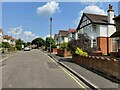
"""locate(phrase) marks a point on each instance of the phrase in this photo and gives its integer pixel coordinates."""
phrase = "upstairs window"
(94, 28)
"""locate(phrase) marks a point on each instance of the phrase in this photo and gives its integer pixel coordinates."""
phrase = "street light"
(50, 33)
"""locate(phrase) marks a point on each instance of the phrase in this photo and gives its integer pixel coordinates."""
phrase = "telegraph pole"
(50, 33)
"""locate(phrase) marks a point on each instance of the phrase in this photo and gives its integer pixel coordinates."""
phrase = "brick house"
(63, 36)
(99, 28)
(116, 36)
(71, 34)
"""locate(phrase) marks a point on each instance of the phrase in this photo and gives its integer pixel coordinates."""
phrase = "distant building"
(99, 28)
(71, 34)
(1, 37)
(9, 39)
(56, 36)
(63, 36)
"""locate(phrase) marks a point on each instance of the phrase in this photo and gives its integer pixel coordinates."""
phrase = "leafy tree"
(19, 47)
(28, 43)
(48, 40)
(63, 46)
(5, 45)
(19, 44)
(39, 42)
(83, 42)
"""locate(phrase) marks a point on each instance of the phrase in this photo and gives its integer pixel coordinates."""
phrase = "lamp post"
(50, 33)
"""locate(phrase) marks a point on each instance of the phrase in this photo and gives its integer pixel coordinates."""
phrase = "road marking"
(73, 78)
(77, 81)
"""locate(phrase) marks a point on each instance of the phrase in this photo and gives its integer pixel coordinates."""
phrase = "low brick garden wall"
(63, 53)
(54, 50)
(108, 66)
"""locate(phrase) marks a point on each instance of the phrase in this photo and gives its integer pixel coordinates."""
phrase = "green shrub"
(80, 52)
(18, 47)
(63, 46)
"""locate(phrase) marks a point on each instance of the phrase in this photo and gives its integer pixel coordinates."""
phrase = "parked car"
(27, 49)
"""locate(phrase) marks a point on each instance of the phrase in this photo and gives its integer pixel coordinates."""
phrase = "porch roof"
(116, 34)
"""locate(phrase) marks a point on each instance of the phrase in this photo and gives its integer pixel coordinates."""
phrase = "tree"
(83, 42)
(63, 46)
(39, 42)
(5, 45)
(47, 42)
(19, 44)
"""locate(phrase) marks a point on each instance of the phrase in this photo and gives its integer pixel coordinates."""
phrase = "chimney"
(110, 14)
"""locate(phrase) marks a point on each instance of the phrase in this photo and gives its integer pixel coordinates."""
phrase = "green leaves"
(80, 52)
(63, 46)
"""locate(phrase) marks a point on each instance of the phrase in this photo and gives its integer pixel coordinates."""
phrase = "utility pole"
(50, 33)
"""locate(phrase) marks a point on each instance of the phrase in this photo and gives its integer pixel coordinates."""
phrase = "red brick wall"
(102, 44)
(54, 50)
(63, 53)
(108, 66)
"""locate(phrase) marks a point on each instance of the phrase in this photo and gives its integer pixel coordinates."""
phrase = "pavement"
(34, 69)
(90, 78)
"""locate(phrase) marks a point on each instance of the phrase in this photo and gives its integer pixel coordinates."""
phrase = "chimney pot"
(110, 8)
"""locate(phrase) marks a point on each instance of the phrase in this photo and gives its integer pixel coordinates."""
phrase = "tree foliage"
(48, 40)
(39, 42)
(19, 44)
(83, 42)
(5, 45)
(63, 46)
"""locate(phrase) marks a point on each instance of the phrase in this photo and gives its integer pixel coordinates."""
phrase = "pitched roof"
(63, 33)
(9, 37)
(116, 34)
(118, 17)
(95, 18)
(71, 30)
(56, 36)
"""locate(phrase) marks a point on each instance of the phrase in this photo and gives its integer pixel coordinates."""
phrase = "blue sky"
(31, 19)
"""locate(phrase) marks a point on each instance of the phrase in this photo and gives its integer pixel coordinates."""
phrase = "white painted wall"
(103, 31)
(65, 39)
(111, 30)
(110, 17)
(69, 36)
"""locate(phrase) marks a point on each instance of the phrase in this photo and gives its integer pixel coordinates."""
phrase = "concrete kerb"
(88, 83)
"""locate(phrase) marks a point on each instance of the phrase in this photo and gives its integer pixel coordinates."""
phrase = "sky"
(29, 20)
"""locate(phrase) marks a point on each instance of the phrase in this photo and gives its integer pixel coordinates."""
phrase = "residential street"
(33, 69)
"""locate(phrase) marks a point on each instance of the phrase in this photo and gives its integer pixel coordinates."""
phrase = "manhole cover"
(52, 65)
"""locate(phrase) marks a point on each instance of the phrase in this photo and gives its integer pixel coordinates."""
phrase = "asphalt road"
(34, 69)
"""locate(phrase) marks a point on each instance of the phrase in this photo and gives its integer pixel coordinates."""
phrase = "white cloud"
(18, 33)
(90, 9)
(48, 9)
(28, 36)
(47, 36)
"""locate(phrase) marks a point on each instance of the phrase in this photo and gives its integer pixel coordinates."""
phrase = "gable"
(84, 21)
